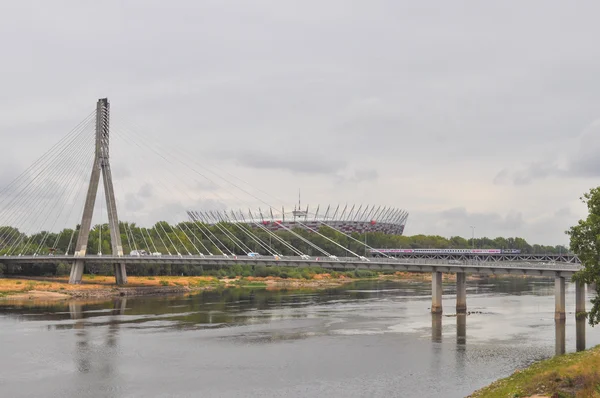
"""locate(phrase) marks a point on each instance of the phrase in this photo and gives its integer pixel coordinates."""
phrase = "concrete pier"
(461, 293)
(120, 273)
(436, 292)
(559, 330)
(579, 298)
(559, 297)
(76, 272)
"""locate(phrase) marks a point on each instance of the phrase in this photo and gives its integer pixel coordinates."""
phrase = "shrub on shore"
(571, 375)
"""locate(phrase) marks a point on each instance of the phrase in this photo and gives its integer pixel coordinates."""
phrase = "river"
(366, 339)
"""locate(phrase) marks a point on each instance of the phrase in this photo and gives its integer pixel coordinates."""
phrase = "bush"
(63, 269)
(363, 273)
(263, 272)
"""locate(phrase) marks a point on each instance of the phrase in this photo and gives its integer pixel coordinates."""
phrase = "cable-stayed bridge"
(61, 190)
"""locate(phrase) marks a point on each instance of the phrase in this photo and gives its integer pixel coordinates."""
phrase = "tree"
(585, 242)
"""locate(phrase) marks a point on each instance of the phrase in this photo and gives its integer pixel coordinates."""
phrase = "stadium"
(347, 219)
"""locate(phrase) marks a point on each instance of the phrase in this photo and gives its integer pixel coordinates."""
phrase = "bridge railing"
(289, 260)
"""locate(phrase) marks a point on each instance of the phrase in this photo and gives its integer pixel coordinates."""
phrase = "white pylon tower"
(101, 166)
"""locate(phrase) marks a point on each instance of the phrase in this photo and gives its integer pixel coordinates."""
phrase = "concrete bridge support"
(579, 298)
(76, 272)
(436, 292)
(461, 293)
(559, 297)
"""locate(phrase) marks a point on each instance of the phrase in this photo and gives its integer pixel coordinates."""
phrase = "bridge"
(484, 257)
(48, 193)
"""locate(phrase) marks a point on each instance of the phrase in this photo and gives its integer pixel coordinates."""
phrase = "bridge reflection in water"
(559, 332)
(86, 353)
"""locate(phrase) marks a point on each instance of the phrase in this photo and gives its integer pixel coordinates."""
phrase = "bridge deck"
(376, 264)
(487, 257)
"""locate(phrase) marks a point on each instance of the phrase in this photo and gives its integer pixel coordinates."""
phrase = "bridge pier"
(76, 272)
(579, 298)
(461, 293)
(559, 298)
(436, 292)
(120, 273)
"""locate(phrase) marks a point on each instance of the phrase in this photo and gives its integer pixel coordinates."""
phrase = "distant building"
(346, 218)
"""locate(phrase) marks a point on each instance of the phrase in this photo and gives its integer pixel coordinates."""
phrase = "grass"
(95, 282)
(571, 375)
(295, 278)
(246, 283)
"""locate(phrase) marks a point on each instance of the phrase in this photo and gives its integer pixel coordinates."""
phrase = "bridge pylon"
(101, 166)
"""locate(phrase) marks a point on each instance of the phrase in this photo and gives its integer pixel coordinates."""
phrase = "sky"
(464, 113)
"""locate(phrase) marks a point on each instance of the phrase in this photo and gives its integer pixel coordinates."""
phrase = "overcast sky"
(463, 113)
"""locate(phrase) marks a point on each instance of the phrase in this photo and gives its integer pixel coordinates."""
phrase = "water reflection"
(119, 306)
(580, 325)
(268, 343)
(436, 328)
(559, 332)
(86, 353)
(461, 329)
(560, 335)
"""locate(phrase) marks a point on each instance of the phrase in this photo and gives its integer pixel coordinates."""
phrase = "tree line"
(194, 238)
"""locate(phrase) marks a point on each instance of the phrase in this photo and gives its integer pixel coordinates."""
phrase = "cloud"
(207, 185)
(460, 105)
(564, 212)
(494, 221)
(146, 191)
(310, 162)
(357, 176)
(547, 228)
(133, 203)
(534, 171)
(578, 158)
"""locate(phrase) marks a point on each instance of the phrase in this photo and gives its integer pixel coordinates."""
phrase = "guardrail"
(297, 260)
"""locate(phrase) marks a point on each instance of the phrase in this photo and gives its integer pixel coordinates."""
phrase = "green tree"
(585, 242)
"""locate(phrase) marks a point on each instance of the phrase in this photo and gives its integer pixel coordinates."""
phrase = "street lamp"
(472, 237)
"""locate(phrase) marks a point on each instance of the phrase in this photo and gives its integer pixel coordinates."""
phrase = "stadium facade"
(348, 218)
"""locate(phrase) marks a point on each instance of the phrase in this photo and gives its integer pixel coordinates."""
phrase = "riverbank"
(571, 375)
(58, 288)
(96, 286)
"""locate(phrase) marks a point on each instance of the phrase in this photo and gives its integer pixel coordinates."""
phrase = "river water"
(368, 339)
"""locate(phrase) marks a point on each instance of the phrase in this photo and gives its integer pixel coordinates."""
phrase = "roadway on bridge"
(399, 264)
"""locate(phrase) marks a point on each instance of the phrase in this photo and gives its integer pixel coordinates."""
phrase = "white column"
(436, 292)
(461, 293)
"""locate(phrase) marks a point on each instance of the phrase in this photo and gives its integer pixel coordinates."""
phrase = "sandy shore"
(58, 288)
